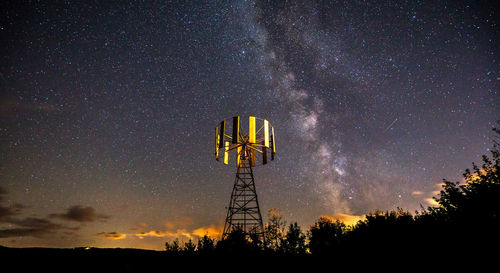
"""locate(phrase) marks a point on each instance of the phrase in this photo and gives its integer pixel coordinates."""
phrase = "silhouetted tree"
(257, 241)
(173, 248)
(382, 232)
(189, 248)
(206, 246)
(274, 229)
(324, 235)
(478, 197)
(294, 242)
(235, 242)
(468, 213)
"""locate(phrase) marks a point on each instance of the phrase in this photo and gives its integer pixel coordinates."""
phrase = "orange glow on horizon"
(347, 219)
(112, 235)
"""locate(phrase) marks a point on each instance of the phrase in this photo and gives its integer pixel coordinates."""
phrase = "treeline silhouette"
(466, 221)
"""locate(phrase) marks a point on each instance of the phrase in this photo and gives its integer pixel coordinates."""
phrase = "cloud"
(112, 235)
(428, 195)
(151, 233)
(40, 227)
(180, 231)
(22, 232)
(80, 214)
(18, 226)
(173, 234)
(33, 226)
(432, 202)
(3, 191)
(139, 227)
(7, 212)
(345, 218)
(179, 223)
(30, 226)
(211, 231)
(173, 229)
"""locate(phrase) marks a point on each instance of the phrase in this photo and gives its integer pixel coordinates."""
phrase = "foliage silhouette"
(274, 230)
(237, 242)
(206, 246)
(294, 242)
(324, 235)
(468, 214)
(173, 248)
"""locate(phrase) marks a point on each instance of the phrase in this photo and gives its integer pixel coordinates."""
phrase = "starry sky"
(108, 110)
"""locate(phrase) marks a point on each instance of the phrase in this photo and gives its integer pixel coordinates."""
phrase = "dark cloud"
(40, 227)
(3, 191)
(21, 232)
(7, 212)
(32, 226)
(112, 235)
(80, 214)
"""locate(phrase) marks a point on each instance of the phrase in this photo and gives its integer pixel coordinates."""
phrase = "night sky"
(108, 111)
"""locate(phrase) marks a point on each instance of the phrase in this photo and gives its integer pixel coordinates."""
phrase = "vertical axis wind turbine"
(243, 212)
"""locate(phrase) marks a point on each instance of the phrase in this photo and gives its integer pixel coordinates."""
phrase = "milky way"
(107, 111)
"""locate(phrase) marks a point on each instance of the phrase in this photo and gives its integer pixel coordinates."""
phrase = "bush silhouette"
(325, 235)
(235, 242)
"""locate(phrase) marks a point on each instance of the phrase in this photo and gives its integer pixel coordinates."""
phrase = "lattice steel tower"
(243, 212)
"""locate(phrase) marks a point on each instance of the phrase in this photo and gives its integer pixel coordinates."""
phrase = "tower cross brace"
(243, 212)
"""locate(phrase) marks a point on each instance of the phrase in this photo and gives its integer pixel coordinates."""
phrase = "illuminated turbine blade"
(238, 157)
(226, 153)
(273, 152)
(217, 143)
(236, 129)
(264, 155)
(266, 133)
(252, 157)
(221, 133)
(251, 129)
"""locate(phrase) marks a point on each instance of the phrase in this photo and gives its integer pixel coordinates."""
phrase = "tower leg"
(243, 212)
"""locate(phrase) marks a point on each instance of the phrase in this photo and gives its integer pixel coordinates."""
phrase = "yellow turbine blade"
(217, 143)
(226, 153)
(273, 140)
(238, 157)
(252, 157)
(251, 129)
(266, 133)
